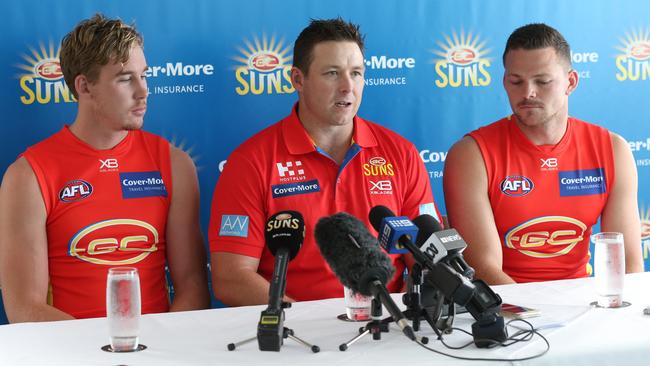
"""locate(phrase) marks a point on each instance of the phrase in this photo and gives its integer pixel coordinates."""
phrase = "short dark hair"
(536, 36)
(323, 30)
(94, 43)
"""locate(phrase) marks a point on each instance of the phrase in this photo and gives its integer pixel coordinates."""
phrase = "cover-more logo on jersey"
(75, 190)
(547, 236)
(114, 242)
(516, 185)
(378, 166)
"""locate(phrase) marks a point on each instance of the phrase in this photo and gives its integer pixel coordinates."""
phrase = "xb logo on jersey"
(549, 164)
(108, 165)
(114, 242)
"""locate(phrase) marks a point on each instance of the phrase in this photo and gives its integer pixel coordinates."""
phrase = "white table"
(597, 337)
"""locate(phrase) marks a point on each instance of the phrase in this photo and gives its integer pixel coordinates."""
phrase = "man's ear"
(82, 85)
(297, 78)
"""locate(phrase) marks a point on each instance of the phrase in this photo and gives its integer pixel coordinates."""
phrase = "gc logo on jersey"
(533, 238)
(75, 190)
(516, 185)
(378, 166)
(133, 240)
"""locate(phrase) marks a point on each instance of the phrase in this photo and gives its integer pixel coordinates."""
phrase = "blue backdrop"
(219, 70)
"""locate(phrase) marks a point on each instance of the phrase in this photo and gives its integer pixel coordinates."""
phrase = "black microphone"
(284, 234)
(358, 262)
(447, 279)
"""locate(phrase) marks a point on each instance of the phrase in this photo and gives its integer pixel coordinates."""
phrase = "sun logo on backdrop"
(41, 78)
(264, 66)
(633, 61)
(462, 61)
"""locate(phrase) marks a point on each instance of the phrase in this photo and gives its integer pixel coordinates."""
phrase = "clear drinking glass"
(123, 308)
(357, 306)
(609, 267)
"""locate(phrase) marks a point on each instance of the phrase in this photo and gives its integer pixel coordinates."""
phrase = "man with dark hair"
(319, 160)
(100, 193)
(525, 191)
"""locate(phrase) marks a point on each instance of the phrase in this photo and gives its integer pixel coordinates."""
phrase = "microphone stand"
(375, 327)
(413, 301)
(274, 327)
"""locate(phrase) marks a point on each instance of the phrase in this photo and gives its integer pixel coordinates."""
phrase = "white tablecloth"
(595, 337)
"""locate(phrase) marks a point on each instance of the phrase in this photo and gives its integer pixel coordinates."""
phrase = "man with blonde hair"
(100, 193)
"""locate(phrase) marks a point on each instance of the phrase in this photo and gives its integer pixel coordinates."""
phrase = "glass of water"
(123, 308)
(609, 266)
(357, 306)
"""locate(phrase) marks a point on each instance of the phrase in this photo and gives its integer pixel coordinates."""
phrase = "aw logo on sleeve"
(234, 225)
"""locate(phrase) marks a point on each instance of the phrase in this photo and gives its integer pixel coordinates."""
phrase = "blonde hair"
(94, 43)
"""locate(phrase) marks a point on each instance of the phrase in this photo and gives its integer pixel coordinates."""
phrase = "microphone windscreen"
(427, 225)
(285, 229)
(377, 214)
(352, 252)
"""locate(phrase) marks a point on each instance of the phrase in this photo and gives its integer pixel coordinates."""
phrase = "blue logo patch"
(517, 185)
(142, 184)
(582, 182)
(429, 209)
(234, 225)
(290, 189)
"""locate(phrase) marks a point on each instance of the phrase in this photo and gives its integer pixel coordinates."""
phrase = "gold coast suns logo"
(114, 242)
(633, 63)
(534, 238)
(265, 67)
(463, 61)
(42, 80)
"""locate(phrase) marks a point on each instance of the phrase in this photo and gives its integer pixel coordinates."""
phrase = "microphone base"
(286, 333)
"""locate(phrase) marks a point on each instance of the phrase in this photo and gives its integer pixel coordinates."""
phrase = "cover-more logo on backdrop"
(382, 70)
(633, 63)
(176, 70)
(638, 148)
(463, 61)
(264, 67)
(41, 80)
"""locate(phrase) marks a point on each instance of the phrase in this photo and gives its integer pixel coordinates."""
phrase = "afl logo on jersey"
(75, 190)
(114, 242)
(516, 185)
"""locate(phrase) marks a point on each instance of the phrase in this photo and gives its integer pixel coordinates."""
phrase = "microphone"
(447, 279)
(445, 263)
(442, 245)
(392, 229)
(284, 233)
(355, 258)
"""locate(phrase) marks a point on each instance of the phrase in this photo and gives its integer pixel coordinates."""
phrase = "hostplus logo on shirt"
(290, 171)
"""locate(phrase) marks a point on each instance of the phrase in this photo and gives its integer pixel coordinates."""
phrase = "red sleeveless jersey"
(105, 208)
(545, 199)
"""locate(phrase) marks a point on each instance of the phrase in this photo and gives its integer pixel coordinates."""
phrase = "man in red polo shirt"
(319, 160)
